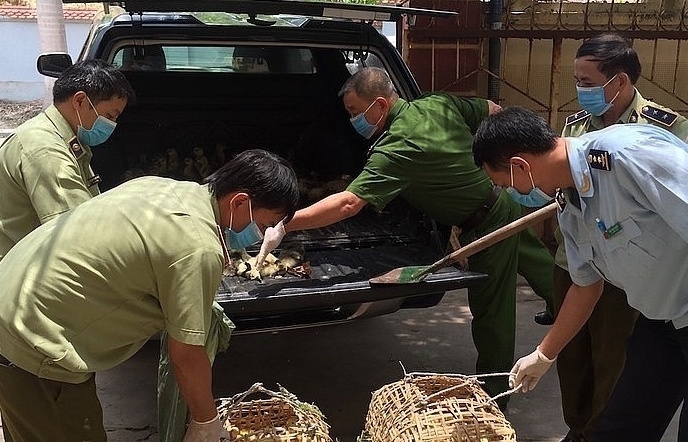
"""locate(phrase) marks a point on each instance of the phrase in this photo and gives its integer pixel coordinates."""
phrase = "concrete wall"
(19, 79)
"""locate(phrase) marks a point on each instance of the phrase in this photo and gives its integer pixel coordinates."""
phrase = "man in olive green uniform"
(83, 292)
(606, 70)
(45, 164)
(423, 154)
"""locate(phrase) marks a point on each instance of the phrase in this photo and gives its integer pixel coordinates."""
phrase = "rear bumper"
(325, 294)
(338, 289)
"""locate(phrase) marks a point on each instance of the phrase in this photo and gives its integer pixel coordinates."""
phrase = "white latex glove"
(211, 431)
(271, 239)
(529, 369)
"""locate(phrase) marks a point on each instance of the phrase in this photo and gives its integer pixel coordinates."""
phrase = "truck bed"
(342, 258)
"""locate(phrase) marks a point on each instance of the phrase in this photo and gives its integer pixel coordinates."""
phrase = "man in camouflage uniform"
(606, 69)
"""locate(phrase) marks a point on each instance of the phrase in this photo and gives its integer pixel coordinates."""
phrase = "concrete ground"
(337, 368)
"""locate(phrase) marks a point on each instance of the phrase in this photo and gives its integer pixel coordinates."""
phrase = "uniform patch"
(658, 115)
(580, 115)
(586, 182)
(600, 159)
(75, 148)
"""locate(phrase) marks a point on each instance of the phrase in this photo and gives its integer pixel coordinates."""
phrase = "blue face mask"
(247, 237)
(592, 99)
(98, 133)
(534, 198)
(362, 126)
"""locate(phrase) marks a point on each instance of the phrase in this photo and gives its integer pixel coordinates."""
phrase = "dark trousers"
(40, 410)
(590, 365)
(651, 388)
(493, 303)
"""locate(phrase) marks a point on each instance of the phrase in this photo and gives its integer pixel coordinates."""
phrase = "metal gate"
(521, 52)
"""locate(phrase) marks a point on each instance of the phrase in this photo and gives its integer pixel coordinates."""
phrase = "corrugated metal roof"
(29, 13)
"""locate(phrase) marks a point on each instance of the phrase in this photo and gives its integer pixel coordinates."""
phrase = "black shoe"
(543, 318)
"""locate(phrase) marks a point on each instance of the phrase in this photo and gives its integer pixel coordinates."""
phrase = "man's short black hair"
(614, 54)
(267, 178)
(508, 133)
(99, 80)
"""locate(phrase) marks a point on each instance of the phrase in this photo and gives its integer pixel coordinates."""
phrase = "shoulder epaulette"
(600, 159)
(580, 115)
(661, 116)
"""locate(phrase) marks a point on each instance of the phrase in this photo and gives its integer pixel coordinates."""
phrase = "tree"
(52, 35)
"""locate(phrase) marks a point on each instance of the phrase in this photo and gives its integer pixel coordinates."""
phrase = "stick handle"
(492, 238)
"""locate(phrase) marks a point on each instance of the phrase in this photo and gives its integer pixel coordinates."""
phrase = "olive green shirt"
(83, 292)
(44, 172)
(639, 111)
(425, 155)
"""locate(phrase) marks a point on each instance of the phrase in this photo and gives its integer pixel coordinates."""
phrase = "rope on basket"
(475, 377)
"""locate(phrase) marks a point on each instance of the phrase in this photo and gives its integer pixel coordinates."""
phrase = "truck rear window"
(193, 58)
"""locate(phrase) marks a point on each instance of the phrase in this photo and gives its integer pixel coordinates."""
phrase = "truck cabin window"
(194, 58)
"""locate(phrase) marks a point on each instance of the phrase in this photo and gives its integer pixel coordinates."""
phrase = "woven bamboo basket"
(279, 418)
(432, 407)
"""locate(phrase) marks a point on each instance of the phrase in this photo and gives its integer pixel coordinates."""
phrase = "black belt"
(475, 219)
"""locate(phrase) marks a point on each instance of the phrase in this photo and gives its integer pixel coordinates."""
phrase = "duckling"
(244, 265)
(130, 174)
(316, 194)
(203, 166)
(190, 172)
(159, 166)
(292, 255)
(239, 262)
(270, 267)
(338, 185)
(219, 156)
(173, 167)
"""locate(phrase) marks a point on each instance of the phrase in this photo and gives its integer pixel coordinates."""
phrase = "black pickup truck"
(214, 78)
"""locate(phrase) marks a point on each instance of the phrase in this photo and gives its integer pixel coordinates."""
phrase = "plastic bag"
(172, 409)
